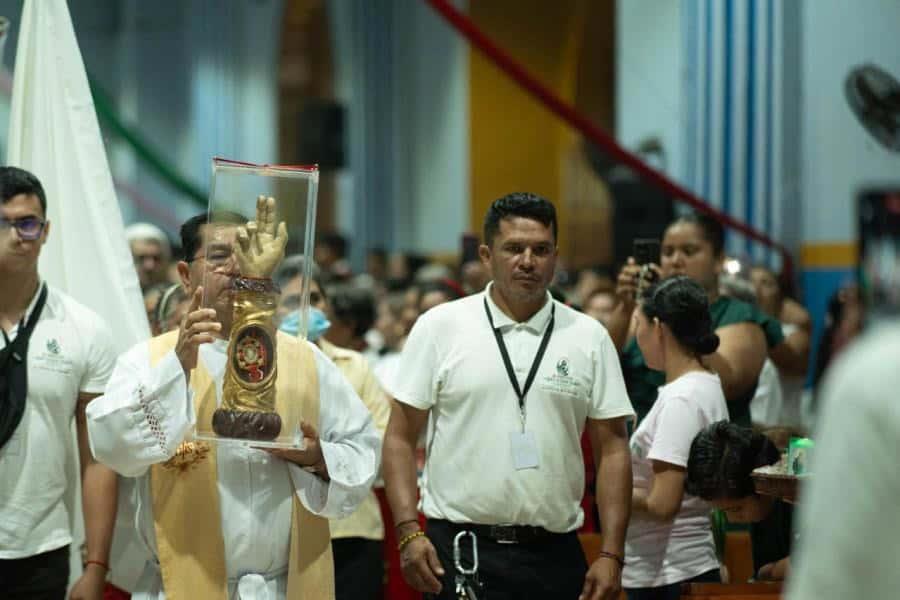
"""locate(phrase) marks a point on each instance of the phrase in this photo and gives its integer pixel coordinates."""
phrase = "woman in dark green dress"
(693, 245)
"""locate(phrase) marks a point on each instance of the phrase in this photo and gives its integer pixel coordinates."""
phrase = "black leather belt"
(502, 534)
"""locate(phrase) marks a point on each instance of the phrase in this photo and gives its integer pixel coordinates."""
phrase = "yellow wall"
(516, 144)
(829, 255)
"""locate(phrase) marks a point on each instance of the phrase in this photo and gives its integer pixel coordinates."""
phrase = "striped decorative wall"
(739, 96)
(403, 75)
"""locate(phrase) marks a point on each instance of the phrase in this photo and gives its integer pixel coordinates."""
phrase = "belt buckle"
(504, 534)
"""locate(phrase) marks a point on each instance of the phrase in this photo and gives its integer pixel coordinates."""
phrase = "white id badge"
(524, 450)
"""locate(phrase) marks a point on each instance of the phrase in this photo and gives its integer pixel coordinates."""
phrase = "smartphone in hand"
(646, 252)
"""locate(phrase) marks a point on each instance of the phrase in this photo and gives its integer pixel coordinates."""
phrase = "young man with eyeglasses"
(55, 357)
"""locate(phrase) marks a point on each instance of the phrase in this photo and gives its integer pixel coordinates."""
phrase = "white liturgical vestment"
(147, 412)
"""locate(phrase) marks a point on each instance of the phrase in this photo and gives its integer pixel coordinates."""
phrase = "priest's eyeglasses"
(218, 256)
(28, 228)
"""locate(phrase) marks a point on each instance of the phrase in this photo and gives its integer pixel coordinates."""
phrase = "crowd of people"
(465, 389)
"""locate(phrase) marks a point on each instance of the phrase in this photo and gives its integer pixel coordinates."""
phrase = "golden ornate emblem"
(251, 355)
(187, 456)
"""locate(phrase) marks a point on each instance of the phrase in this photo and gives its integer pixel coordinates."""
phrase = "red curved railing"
(570, 115)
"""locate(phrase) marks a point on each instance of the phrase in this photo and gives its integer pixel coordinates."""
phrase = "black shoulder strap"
(14, 372)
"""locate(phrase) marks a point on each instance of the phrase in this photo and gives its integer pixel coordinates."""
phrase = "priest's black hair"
(191, 241)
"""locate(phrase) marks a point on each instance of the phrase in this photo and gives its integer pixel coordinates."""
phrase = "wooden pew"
(739, 556)
(731, 591)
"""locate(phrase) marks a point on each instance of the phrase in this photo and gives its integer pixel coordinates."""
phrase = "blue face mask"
(318, 324)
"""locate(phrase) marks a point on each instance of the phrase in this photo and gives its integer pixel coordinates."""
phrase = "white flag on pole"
(53, 133)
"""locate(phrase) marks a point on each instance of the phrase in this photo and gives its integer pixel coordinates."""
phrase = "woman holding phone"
(669, 540)
(693, 245)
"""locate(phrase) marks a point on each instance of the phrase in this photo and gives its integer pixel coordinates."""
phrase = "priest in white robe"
(141, 427)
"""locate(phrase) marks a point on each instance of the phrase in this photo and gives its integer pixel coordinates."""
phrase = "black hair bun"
(683, 306)
(707, 344)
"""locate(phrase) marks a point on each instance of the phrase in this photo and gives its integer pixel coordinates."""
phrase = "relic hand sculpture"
(248, 394)
(260, 244)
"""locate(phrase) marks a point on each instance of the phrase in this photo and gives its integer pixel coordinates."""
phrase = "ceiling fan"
(874, 97)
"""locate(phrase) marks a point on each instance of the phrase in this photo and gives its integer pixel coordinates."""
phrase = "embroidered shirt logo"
(53, 359)
(560, 380)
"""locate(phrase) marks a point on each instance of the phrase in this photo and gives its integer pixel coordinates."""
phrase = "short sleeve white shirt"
(662, 553)
(70, 352)
(452, 366)
(778, 397)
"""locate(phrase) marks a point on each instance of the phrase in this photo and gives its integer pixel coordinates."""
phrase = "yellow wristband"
(406, 540)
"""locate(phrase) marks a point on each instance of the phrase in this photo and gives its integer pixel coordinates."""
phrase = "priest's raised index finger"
(202, 314)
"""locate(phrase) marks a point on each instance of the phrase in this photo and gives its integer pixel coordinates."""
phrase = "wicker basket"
(779, 485)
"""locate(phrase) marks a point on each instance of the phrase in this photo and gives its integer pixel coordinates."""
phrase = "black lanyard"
(521, 393)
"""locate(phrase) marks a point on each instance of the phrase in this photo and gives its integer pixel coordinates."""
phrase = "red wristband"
(97, 562)
(612, 556)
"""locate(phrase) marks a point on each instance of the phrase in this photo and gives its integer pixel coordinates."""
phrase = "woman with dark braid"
(669, 540)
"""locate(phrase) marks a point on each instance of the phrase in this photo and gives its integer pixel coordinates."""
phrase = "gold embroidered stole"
(185, 492)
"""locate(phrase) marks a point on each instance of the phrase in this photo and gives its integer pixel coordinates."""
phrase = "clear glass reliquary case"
(261, 219)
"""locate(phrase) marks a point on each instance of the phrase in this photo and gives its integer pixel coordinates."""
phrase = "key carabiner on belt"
(457, 558)
(466, 579)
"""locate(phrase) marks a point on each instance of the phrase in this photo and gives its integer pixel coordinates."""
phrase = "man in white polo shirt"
(509, 379)
(55, 356)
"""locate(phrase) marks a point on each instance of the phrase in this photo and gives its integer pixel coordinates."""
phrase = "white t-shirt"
(849, 510)
(451, 365)
(70, 352)
(386, 368)
(659, 553)
(778, 397)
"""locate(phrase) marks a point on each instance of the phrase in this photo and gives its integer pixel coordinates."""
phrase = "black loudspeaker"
(321, 134)
(640, 211)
